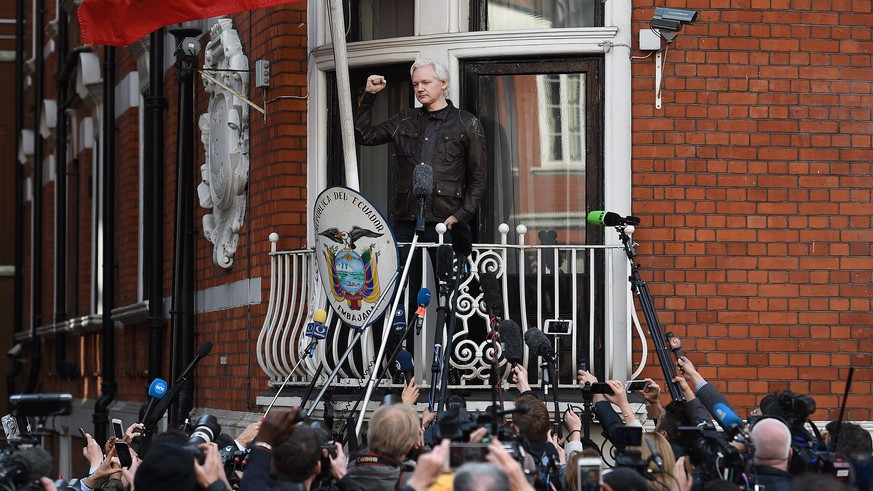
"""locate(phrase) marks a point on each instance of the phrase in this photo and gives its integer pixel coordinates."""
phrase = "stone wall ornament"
(225, 136)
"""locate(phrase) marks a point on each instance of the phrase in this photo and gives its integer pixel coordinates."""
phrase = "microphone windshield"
(403, 361)
(424, 297)
(398, 325)
(158, 388)
(491, 293)
(33, 462)
(510, 334)
(538, 343)
(726, 416)
(462, 240)
(444, 259)
(422, 180)
(604, 218)
(204, 349)
(319, 316)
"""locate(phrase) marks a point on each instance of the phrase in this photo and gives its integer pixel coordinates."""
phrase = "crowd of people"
(406, 450)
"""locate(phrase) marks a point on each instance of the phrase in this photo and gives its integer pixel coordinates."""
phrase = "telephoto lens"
(206, 430)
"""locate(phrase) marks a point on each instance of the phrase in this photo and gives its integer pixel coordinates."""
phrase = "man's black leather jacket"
(458, 159)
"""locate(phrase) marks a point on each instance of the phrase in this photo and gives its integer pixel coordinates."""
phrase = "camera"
(712, 454)
(206, 430)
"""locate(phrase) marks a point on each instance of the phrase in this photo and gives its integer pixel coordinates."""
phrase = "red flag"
(123, 22)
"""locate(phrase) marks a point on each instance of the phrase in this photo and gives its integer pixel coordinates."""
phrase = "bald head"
(772, 441)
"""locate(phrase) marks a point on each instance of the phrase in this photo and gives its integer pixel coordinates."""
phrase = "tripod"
(641, 288)
(587, 398)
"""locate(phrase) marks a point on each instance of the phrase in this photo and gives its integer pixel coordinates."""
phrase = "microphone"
(423, 302)
(202, 351)
(422, 186)
(462, 239)
(445, 256)
(492, 295)
(510, 334)
(403, 363)
(398, 325)
(27, 465)
(727, 418)
(659, 460)
(316, 329)
(162, 405)
(539, 343)
(610, 219)
(157, 390)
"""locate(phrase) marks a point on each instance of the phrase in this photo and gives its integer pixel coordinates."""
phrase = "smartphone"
(466, 452)
(118, 429)
(627, 436)
(84, 435)
(635, 385)
(589, 472)
(123, 452)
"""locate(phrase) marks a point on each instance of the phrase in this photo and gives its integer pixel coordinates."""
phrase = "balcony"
(570, 292)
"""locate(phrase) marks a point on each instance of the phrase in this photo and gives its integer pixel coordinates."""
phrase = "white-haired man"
(771, 440)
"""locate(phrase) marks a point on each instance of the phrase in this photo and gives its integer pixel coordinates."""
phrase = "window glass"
(382, 19)
(540, 14)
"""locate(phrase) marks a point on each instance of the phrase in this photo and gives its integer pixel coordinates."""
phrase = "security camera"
(189, 47)
(672, 19)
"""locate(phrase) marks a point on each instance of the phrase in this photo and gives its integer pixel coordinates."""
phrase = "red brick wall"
(753, 184)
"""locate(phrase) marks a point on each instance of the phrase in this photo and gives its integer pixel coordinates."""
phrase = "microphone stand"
(308, 351)
(587, 398)
(460, 264)
(352, 343)
(371, 383)
(550, 379)
(641, 288)
(436, 366)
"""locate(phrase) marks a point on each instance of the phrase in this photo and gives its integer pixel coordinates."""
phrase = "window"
(562, 114)
(379, 19)
(499, 15)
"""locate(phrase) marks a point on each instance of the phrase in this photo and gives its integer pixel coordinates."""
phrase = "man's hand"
(212, 469)
(683, 481)
(277, 427)
(686, 389)
(652, 395)
(691, 374)
(499, 456)
(479, 434)
(375, 84)
(133, 431)
(553, 439)
(429, 466)
(338, 464)
(451, 220)
(572, 422)
(127, 473)
(410, 392)
(519, 376)
(92, 451)
(249, 434)
(582, 376)
(427, 417)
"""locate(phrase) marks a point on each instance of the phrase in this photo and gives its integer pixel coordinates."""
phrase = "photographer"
(170, 466)
(393, 432)
(771, 440)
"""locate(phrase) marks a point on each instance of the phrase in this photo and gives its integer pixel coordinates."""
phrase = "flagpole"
(344, 92)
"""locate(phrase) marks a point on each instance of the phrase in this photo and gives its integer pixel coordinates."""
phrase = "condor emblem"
(356, 254)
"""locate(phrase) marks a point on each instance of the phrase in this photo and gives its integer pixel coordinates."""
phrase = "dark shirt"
(771, 479)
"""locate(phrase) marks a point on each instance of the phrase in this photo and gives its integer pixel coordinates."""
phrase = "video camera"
(712, 454)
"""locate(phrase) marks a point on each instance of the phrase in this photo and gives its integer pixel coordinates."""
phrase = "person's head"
(297, 459)
(720, 485)
(393, 430)
(771, 439)
(662, 446)
(430, 81)
(166, 466)
(480, 476)
(626, 479)
(571, 477)
(851, 440)
(669, 422)
(532, 418)
(818, 482)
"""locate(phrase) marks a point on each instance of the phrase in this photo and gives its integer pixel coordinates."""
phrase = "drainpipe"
(155, 104)
(36, 207)
(183, 282)
(108, 386)
(18, 307)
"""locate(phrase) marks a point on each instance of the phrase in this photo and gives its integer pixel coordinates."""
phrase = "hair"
(819, 482)
(440, 71)
(480, 476)
(720, 485)
(772, 440)
(296, 458)
(671, 418)
(626, 479)
(392, 431)
(663, 447)
(852, 439)
(533, 419)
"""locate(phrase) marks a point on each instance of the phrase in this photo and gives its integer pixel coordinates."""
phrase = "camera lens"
(206, 431)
